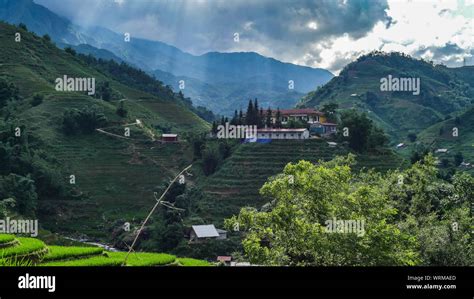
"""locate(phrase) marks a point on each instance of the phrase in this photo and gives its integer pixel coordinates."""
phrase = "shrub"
(412, 137)
(23, 26)
(22, 189)
(121, 111)
(458, 159)
(8, 92)
(37, 100)
(70, 51)
(210, 159)
(82, 121)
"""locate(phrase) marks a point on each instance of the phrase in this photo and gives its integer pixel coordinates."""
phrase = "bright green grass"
(65, 252)
(87, 262)
(117, 259)
(4, 238)
(190, 262)
(16, 262)
(144, 258)
(26, 247)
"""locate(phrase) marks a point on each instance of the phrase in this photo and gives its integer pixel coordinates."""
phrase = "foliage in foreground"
(410, 217)
(31, 252)
(5, 238)
(26, 246)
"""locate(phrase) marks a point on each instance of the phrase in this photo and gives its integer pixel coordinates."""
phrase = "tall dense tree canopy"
(400, 210)
(360, 131)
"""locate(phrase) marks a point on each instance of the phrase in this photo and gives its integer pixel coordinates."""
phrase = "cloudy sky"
(323, 33)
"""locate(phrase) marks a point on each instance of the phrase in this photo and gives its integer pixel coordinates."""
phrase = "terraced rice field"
(118, 176)
(33, 252)
(237, 182)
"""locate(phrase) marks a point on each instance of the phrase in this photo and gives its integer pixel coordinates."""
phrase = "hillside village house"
(201, 233)
(169, 138)
(316, 119)
(282, 134)
(323, 129)
(224, 259)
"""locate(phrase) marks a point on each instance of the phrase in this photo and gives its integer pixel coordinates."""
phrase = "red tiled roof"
(294, 111)
(224, 258)
(299, 111)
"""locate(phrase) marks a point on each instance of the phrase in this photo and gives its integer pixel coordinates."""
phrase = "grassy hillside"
(115, 178)
(238, 181)
(443, 92)
(441, 136)
(21, 251)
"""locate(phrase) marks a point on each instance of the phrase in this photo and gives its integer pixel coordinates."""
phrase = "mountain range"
(222, 82)
(444, 92)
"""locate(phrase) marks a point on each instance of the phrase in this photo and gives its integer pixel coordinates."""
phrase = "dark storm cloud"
(202, 26)
(450, 54)
(439, 52)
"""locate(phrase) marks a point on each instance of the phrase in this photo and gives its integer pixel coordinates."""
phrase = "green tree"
(293, 231)
(22, 190)
(225, 149)
(249, 116)
(329, 111)
(278, 119)
(23, 26)
(37, 100)
(121, 111)
(8, 92)
(69, 123)
(235, 119)
(458, 159)
(104, 91)
(210, 160)
(359, 129)
(268, 119)
(198, 143)
(256, 116)
(70, 51)
(412, 217)
(84, 121)
(412, 137)
(214, 127)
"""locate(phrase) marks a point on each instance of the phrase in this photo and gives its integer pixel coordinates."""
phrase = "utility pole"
(159, 201)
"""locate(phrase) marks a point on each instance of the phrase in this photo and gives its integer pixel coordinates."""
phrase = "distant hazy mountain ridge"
(221, 81)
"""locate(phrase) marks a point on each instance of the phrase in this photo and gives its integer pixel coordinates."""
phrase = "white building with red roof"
(272, 133)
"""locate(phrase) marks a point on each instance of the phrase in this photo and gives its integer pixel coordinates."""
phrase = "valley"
(89, 159)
